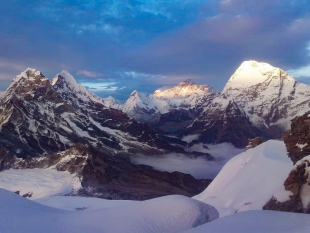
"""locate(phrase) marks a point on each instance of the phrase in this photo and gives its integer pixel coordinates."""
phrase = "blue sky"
(116, 46)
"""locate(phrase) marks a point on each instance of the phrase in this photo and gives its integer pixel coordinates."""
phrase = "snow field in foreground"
(173, 213)
(258, 221)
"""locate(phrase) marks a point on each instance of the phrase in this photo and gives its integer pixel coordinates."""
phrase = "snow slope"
(250, 179)
(258, 222)
(75, 203)
(40, 182)
(166, 214)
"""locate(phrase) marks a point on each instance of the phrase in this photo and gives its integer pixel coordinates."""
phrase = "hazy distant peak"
(183, 90)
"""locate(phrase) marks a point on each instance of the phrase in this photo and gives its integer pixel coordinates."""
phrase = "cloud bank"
(197, 167)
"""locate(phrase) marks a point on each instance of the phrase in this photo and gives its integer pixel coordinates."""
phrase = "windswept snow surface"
(40, 182)
(250, 179)
(258, 222)
(81, 203)
(165, 214)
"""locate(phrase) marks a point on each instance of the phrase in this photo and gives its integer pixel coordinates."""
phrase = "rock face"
(297, 140)
(174, 122)
(112, 177)
(72, 160)
(254, 142)
(60, 124)
(223, 121)
(298, 181)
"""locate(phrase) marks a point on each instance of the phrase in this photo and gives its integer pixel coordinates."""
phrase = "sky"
(116, 46)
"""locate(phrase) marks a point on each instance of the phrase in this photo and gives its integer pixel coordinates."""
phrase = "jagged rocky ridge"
(42, 117)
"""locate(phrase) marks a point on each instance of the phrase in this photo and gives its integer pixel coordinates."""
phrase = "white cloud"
(102, 86)
(301, 72)
(12, 65)
(89, 74)
(97, 26)
(197, 167)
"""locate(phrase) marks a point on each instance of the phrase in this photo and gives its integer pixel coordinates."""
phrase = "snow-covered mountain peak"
(28, 74)
(64, 83)
(134, 94)
(24, 83)
(251, 73)
(110, 102)
(186, 82)
(67, 81)
(183, 90)
(269, 96)
(144, 102)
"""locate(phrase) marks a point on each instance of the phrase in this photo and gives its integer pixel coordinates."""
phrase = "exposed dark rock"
(173, 140)
(254, 142)
(296, 182)
(53, 119)
(114, 176)
(292, 205)
(194, 142)
(224, 122)
(175, 121)
(118, 176)
(197, 154)
(297, 140)
(27, 195)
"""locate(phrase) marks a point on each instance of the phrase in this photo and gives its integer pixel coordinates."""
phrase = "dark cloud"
(212, 48)
(143, 45)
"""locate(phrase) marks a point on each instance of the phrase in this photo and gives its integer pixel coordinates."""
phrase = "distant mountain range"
(258, 100)
(60, 124)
